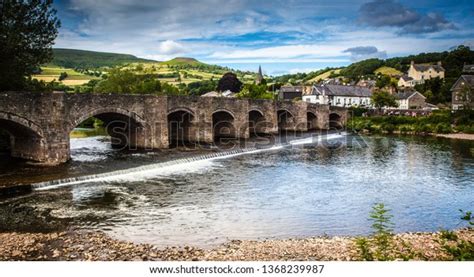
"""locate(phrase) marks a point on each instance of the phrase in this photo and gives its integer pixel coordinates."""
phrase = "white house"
(418, 73)
(339, 95)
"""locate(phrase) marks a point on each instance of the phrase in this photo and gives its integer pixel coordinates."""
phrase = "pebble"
(96, 246)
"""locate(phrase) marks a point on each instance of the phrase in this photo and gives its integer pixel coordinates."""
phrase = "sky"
(284, 36)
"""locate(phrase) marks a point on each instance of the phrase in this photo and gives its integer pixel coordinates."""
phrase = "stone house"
(462, 92)
(339, 95)
(410, 100)
(293, 92)
(418, 73)
(468, 68)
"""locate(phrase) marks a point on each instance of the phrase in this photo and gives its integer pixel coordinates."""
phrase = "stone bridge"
(39, 124)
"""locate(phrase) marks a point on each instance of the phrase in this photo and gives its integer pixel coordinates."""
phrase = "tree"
(383, 81)
(62, 76)
(229, 82)
(382, 99)
(254, 91)
(27, 32)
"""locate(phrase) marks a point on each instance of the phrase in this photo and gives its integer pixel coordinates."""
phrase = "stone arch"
(312, 121)
(119, 112)
(285, 120)
(335, 120)
(182, 109)
(180, 126)
(257, 122)
(26, 139)
(126, 128)
(223, 124)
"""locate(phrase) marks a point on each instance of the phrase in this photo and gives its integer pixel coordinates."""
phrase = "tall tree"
(229, 82)
(28, 29)
(382, 99)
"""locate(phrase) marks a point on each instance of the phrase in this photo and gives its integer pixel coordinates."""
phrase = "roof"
(426, 67)
(226, 93)
(291, 89)
(406, 78)
(407, 94)
(467, 79)
(366, 83)
(468, 68)
(340, 90)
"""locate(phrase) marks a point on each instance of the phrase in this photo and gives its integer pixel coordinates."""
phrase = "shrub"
(443, 128)
(387, 127)
(382, 237)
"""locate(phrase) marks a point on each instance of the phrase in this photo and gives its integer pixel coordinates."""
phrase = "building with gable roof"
(419, 73)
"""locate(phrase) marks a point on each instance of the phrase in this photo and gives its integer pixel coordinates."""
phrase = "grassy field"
(390, 71)
(74, 78)
(323, 76)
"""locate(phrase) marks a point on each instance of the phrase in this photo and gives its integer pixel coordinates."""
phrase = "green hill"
(183, 61)
(72, 58)
(386, 70)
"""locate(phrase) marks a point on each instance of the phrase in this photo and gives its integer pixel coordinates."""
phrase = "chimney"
(439, 63)
(412, 63)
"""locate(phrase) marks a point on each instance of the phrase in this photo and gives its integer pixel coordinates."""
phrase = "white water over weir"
(163, 168)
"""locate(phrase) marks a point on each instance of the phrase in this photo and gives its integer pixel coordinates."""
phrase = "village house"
(370, 84)
(412, 100)
(293, 92)
(468, 68)
(339, 95)
(418, 73)
(462, 92)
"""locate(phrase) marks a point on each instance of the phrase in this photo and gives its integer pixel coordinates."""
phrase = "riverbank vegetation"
(383, 245)
(439, 122)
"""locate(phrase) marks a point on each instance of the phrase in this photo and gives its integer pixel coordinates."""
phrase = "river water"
(301, 190)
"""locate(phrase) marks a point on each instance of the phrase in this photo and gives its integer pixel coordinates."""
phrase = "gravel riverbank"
(98, 246)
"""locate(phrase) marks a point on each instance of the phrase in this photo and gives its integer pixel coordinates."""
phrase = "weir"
(157, 168)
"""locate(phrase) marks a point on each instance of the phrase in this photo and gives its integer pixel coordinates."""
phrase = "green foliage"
(383, 228)
(229, 82)
(380, 246)
(440, 121)
(468, 217)
(383, 81)
(357, 111)
(356, 70)
(443, 128)
(199, 88)
(254, 91)
(82, 59)
(387, 127)
(27, 32)
(125, 81)
(382, 99)
(458, 249)
(62, 76)
(437, 90)
(363, 244)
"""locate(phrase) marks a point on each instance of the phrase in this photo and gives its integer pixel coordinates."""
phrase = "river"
(293, 191)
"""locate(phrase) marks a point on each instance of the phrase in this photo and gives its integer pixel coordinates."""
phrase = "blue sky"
(283, 36)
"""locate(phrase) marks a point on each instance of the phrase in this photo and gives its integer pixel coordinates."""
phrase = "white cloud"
(169, 47)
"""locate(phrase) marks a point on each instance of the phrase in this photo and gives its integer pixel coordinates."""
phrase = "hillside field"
(390, 71)
(74, 78)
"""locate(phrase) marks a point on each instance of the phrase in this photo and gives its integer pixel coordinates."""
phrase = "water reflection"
(297, 191)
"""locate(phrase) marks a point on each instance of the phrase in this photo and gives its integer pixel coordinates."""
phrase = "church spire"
(259, 79)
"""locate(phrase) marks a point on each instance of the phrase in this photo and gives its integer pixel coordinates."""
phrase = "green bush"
(467, 129)
(387, 127)
(443, 128)
(380, 246)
